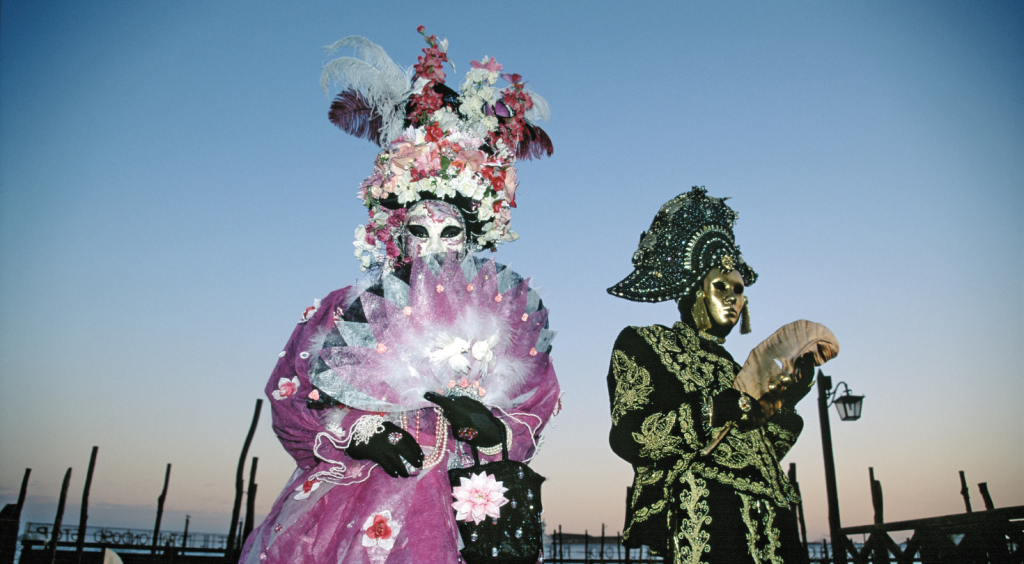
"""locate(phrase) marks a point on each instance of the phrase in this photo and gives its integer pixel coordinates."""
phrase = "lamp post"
(848, 407)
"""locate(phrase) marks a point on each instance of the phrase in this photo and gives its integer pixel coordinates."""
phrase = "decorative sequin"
(529, 495)
(303, 355)
(473, 536)
(519, 533)
(494, 552)
(520, 474)
(514, 504)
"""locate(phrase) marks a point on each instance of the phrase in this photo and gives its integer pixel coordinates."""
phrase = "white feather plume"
(540, 111)
(382, 82)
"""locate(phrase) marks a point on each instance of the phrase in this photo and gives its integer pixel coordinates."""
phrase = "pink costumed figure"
(384, 385)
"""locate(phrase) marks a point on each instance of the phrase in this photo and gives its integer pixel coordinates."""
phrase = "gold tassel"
(700, 312)
(745, 317)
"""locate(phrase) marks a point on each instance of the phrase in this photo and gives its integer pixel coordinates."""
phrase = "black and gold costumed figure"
(673, 391)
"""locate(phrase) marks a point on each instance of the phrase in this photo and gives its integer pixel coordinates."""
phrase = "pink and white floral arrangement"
(461, 149)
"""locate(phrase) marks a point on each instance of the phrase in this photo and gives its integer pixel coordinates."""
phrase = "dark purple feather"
(353, 114)
(534, 144)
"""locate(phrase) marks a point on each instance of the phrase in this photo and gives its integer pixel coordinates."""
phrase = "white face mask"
(433, 227)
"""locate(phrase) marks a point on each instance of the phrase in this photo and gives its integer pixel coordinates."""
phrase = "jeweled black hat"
(690, 235)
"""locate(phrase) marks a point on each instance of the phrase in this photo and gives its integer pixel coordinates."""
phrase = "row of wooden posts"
(236, 535)
(238, 531)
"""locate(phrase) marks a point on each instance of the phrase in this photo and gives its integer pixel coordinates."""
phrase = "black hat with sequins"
(690, 235)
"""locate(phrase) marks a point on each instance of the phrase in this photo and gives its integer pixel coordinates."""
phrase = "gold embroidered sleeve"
(656, 438)
(632, 385)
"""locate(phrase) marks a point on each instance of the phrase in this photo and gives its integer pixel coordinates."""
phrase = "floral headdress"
(438, 144)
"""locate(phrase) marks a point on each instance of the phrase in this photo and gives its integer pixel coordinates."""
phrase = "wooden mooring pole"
(58, 521)
(232, 554)
(989, 506)
(83, 517)
(160, 509)
(250, 502)
(965, 492)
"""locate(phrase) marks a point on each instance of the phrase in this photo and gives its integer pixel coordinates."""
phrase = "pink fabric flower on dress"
(379, 530)
(286, 388)
(307, 488)
(309, 311)
(478, 497)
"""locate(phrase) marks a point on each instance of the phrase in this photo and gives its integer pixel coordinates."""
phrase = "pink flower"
(381, 348)
(474, 159)
(491, 65)
(307, 488)
(464, 383)
(286, 388)
(380, 531)
(314, 395)
(510, 186)
(309, 311)
(478, 497)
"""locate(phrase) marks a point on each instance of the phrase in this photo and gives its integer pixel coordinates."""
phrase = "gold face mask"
(723, 295)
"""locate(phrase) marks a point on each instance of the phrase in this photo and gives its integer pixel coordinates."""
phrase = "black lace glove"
(394, 449)
(471, 421)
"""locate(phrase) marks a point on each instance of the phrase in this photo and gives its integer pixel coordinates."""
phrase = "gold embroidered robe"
(662, 382)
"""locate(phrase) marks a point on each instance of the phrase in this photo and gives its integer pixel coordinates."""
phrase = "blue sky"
(172, 197)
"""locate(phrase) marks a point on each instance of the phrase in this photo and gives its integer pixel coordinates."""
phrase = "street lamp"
(848, 406)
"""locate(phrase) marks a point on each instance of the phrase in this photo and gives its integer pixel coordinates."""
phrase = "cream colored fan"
(771, 365)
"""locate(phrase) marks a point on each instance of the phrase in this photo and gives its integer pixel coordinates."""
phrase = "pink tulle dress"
(458, 328)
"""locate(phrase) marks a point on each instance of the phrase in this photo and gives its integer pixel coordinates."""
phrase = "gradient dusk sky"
(172, 196)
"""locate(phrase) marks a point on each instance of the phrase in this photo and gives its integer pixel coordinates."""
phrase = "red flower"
(379, 529)
(421, 29)
(434, 132)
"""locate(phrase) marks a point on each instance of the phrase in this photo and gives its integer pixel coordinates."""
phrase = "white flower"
(306, 488)
(380, 531)
(309, 311)
(478, 497)
(406, 194)
(446, 119)
(466, 183)
(443, 188)
(486, 209)
(286, 388)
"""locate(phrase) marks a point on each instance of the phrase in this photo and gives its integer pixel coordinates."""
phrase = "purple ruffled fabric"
(336, 509)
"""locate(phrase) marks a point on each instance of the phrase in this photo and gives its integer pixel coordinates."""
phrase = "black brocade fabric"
(690, 508)
(517, 537)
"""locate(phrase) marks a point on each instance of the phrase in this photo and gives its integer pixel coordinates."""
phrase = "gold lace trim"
(632, 385)
(762, 535)
(656, 436)
(691, 542)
